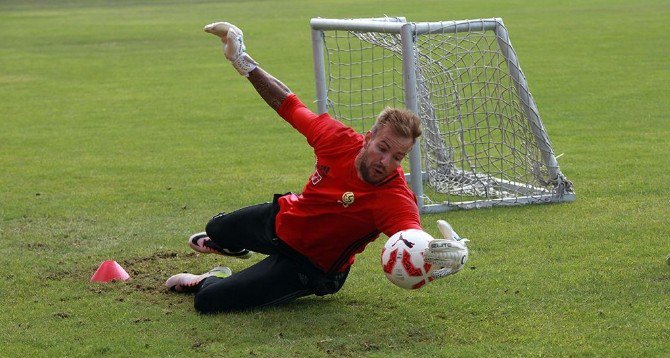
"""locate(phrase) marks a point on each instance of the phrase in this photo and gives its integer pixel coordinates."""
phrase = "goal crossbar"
(394, 25)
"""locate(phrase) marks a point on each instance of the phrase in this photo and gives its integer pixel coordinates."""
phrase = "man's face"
(381, 155)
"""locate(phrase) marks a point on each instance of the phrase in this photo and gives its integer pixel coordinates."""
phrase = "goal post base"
(480, 204)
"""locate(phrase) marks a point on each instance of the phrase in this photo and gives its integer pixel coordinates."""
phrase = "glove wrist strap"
(244, 64)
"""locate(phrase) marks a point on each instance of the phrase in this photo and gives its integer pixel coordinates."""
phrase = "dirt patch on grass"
(146, 285)
(148, 274)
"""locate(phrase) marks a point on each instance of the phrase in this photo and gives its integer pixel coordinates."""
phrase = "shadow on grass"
(149, 273)
(350, 322)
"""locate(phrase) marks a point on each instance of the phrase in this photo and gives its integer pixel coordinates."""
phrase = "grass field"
(123, 130)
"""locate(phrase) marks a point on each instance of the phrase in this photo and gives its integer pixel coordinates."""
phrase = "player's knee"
(203, 303)
(207, 304)
(214, 226)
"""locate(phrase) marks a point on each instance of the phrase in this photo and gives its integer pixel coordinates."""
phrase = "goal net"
(483, 142)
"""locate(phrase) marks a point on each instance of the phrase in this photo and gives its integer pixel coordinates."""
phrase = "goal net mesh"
(477, 143)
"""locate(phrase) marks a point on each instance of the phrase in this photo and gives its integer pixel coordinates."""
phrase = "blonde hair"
(404, 122)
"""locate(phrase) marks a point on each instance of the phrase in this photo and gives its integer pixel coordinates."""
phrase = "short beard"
(365, 173)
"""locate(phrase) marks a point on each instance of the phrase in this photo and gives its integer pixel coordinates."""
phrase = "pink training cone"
(108, 271)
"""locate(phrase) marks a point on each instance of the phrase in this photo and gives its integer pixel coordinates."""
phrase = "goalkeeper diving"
(356, 192)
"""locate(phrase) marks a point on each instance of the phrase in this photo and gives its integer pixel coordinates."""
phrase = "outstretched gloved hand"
(449, 253)
(233, 46)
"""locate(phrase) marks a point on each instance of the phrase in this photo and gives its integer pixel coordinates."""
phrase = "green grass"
(124, 130)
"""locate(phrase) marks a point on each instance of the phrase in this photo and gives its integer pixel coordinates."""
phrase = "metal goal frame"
(560, 189)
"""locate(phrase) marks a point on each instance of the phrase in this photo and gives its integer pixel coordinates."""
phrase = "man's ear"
(368, 137)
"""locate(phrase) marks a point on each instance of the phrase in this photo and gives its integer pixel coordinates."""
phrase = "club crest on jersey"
(347, 199)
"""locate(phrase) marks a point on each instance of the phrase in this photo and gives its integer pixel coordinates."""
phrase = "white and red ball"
(403, 261)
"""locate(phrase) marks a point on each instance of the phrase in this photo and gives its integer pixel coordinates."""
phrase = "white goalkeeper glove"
(449, 253)
(233, 46)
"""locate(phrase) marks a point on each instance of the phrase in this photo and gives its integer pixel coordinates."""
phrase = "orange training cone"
(108, 271)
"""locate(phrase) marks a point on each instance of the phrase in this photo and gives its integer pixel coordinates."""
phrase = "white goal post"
(483, 141)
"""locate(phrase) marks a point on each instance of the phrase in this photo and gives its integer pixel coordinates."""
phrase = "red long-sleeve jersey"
(337, 214)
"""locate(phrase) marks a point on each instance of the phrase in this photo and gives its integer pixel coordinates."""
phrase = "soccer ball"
(402, 259)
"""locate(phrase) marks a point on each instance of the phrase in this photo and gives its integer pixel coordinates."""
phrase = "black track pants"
(282, 276)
